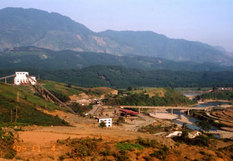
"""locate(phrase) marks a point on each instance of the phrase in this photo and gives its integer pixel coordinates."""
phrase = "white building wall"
(21, 78)
(108, 121)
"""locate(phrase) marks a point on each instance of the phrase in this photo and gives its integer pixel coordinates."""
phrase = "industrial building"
(24, 78)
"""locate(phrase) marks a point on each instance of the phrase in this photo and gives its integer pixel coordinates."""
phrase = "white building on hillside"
(108, 121)
(175, 133)
(22, 78)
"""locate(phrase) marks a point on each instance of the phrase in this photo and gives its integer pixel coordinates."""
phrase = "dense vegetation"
(24, 112)
(170, 98)
(121, 77)
(217, 95)
(32, 57)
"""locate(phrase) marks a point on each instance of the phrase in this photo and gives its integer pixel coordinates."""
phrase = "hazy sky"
(209, 21)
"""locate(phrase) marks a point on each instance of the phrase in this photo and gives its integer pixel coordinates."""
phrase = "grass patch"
(61, 88)
(128, 146)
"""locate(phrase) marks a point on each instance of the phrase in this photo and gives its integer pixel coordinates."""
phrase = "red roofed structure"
(128, 112)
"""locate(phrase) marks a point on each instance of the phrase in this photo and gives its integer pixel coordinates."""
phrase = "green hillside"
(63, 90)
(150, 97)
(26, 107)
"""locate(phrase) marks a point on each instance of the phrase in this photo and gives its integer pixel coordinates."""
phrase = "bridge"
(6, 77)
(187, 108)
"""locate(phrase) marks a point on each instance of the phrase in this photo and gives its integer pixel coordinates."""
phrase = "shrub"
(79, 109)
(161, 153)
(120, 120)
(121, 156)
(6, 145)
(83, 147)
(199, 140)
(147, 142)
(102, 124)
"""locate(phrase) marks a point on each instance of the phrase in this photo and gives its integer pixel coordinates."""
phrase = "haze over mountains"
(32, 27)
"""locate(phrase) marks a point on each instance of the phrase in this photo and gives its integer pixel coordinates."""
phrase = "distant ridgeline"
(32, 27)
(121, 77)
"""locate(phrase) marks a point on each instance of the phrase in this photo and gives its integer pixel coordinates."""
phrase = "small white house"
(108, 121)
(21, 78)
(175, 133)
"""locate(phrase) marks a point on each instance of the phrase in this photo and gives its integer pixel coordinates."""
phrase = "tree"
(120, 120)
(204, 125)
(129, 88)
(69, 85)
(102, 124)
(184, 126)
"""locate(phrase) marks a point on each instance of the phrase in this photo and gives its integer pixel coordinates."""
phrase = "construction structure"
(22, 78)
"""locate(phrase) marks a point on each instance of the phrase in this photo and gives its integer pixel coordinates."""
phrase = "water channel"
(191, 119)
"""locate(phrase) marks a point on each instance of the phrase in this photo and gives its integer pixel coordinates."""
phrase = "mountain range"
(31, 27)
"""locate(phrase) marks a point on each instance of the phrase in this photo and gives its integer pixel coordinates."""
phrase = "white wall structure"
(21, 78)
(175, 133)
(108, 121)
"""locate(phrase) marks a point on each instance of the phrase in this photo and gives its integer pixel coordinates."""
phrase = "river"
(192, 120)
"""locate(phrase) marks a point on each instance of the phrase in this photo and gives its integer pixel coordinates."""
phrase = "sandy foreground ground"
(40, 143)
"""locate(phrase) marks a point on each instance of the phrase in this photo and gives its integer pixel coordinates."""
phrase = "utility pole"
(11, 115)
(16, 110)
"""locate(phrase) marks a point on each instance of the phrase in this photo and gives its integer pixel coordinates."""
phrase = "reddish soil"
(40, 143)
